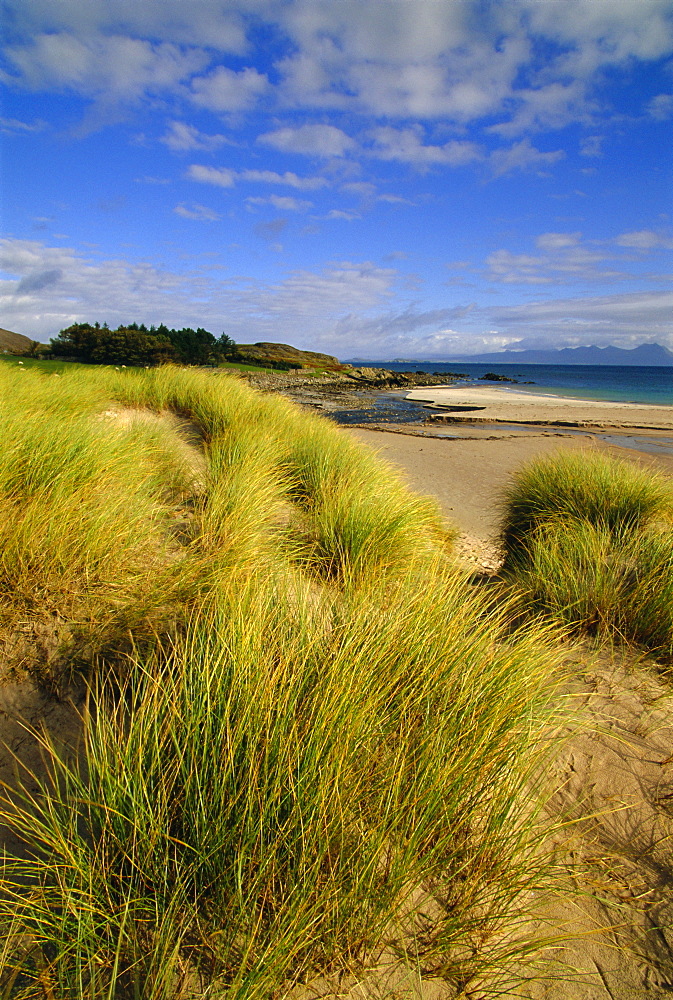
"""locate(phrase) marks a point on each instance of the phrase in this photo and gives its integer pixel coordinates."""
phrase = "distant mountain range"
(645, 354)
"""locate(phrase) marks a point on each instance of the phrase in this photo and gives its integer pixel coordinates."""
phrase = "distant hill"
(645, 354)
(284, 354)
(14, 343)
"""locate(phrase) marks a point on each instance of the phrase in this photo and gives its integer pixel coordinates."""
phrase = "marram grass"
(585, 486)
(589, 541)
(265, 796)
(306, 739)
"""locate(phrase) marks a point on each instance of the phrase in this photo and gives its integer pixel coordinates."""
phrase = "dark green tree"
(100, 345)
(134, 344)
(226, 345)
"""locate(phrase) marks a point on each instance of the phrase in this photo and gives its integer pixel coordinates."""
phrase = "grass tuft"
(265, 796)
(588, 541)
(581, 486)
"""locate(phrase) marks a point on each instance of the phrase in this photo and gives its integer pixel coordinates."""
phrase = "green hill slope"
(285, 354)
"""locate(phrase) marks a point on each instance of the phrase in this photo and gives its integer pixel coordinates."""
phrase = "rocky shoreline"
(347, 389)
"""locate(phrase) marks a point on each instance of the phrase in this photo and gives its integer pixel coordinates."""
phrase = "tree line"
(136, 344)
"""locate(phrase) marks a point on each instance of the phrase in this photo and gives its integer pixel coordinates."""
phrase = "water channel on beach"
(392, 408)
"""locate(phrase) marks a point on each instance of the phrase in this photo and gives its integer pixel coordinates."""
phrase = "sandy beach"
(494, 404)
(467, 471)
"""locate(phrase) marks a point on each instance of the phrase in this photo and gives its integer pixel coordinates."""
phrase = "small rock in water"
(492, 377)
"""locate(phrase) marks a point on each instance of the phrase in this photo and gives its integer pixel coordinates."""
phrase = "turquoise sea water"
(621, 384)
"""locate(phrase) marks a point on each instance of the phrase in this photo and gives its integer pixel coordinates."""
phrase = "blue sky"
(370, 178)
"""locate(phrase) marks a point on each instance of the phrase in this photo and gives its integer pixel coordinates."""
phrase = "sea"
(616, 383)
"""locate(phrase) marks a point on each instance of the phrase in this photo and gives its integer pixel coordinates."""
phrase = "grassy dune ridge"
(307, 737)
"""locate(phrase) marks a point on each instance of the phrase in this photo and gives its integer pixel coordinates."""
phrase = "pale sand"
(514, 406)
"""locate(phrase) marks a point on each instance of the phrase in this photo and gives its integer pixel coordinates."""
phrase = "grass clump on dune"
(584, 486)
(590, 540)
(85, 511)
(307, 738)
(361, 519)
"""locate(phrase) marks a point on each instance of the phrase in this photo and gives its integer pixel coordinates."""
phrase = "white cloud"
(180, 136)
(566, 258)
(625, 320)
(86, 288)
(288, 178)
(345, 308)
(200, 213)
(406, 146)
(447, 343)
(548, 107)
(14, 125)
(645, 239)
(219, 176)
(661, 107)
(460, 62)
(522, 156)
(364, 189)
(224, 177)
(411, 59)
(466, 61)
(557, 241)
(571, 264)
(224, 90)
(310, 303)
(517, 268)
(212, 23)
(114, 68)
(310, 140)
(600, 33)
(591, 145)
(393, 325)
(394, 199)
(340, 213)
(283, 203)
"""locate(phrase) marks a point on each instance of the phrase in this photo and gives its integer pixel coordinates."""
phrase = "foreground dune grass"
(307, 737)
(589, 539)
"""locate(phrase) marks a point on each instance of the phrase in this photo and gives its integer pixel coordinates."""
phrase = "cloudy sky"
(371, 178)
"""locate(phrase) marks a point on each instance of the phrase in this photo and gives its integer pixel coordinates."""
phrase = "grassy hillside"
(14, 343)
(307, 736)
(285, 354)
